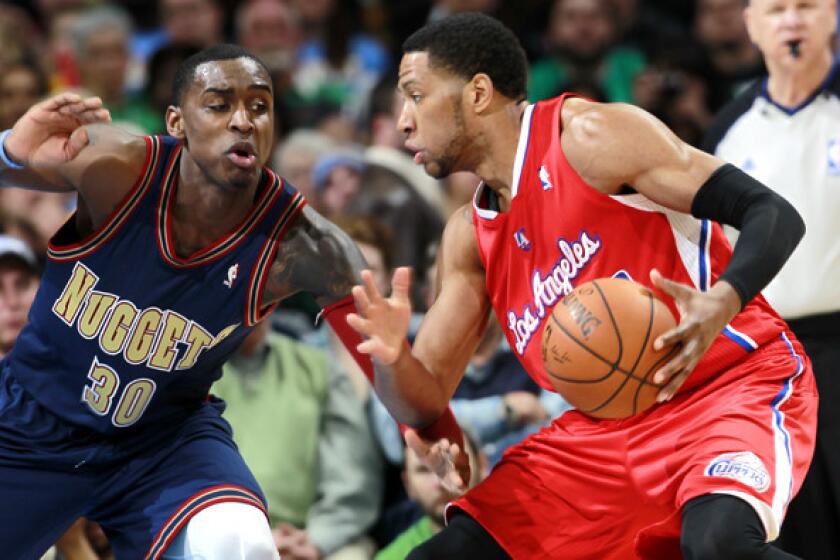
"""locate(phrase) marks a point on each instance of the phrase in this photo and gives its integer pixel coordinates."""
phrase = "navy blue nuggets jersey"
(125, 333)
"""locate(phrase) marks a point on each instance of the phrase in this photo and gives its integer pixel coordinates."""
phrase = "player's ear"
(175, 122)
(480, 91)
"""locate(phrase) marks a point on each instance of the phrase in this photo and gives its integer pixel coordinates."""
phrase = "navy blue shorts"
(142, 487)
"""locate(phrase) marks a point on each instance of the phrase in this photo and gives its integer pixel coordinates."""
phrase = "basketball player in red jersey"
(574, 190)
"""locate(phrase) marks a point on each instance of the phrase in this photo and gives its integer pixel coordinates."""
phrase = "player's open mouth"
(242, 155)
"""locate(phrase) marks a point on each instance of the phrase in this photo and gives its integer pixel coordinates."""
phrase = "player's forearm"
(410, 391)
(41, 180)
(770, 227)
(15, 173)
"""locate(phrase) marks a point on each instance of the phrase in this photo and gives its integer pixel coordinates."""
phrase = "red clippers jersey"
(560, 232)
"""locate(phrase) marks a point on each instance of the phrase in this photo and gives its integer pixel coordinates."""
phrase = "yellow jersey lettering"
(81, 282)
(143, 336)
(97, 306)
(116, 329)
(164, 354)
(197, 339)
(225, 332)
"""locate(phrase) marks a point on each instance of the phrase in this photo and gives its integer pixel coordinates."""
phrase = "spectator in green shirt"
(423, 486)
(305, 436)
(581, 41)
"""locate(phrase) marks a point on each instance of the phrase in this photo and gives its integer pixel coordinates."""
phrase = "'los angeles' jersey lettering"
(548, 289)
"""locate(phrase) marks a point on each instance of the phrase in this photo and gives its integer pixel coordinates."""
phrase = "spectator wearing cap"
(337, 180)
(19, 279)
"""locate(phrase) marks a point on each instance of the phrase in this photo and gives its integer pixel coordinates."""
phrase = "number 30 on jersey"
(105, 383)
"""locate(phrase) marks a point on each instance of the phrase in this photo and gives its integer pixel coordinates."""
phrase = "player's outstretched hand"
(50, 132)
(447, 460)
(382, 321)
(702, 316)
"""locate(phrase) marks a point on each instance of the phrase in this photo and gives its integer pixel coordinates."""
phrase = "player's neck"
(790, 86)
(203, 211)
(498, 146)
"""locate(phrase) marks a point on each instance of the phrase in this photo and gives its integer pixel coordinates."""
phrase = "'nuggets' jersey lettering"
(123, 330)
(149, 336)
(561, 232)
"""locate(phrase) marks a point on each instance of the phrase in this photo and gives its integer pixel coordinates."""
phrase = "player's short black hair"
(224, 51)
(472, 43)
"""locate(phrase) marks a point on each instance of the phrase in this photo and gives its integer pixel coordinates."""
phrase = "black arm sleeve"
(770, 227)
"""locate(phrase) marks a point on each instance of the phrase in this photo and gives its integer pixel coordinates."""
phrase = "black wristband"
(770, 227)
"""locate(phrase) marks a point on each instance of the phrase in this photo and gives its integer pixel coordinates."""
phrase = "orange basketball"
(597, 347)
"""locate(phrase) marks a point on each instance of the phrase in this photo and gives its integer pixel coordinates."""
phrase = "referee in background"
(785, 131)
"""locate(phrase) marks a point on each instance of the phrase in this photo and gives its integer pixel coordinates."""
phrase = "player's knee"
(227, 531)
(721, 527)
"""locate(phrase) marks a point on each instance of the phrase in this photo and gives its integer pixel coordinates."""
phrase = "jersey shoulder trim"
(118, 216)
(259, 275)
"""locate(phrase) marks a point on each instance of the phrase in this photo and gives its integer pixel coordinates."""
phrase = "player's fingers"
(360, 325)
(77, 141)
(673, 289)
(668, 392)
(369, 284)
(454, 483)
(684, 361)
(669, 370)
(673, 336)
(416, 443)
(93, 102)
(90, 116)
(53, 103)
(361, 299)
(369, 346)
(401, 283)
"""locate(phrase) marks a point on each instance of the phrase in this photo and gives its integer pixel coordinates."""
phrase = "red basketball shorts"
(613, 489)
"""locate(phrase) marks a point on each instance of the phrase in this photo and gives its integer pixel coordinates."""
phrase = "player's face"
(774, 24)
(432, 116)
(227, 120)
(17, 291)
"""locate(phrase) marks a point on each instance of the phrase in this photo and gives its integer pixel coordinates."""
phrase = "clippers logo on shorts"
(521, 241)
(834, 156)
(548, 289)
(743, 466)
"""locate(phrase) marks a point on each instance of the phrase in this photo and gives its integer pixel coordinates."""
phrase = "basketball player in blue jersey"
(178, 246)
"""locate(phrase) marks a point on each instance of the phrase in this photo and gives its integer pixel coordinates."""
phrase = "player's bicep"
(612, 145)
(106, 168)
(315, 256)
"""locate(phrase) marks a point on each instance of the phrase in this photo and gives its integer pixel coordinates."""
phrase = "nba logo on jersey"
(545, 179)
(522, 241)
(744, 466)
(233, 272)
(834, 156)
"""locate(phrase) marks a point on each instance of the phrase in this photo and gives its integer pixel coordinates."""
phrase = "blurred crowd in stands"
(328, 456)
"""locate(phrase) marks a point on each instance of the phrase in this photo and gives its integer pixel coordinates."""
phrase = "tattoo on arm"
(314, 256)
